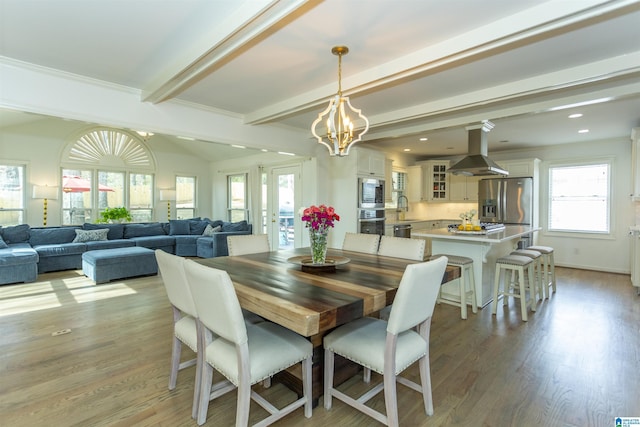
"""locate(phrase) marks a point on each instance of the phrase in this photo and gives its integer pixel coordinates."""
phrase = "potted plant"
(114, 215)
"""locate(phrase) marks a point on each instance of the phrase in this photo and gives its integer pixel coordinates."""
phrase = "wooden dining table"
(314, 300)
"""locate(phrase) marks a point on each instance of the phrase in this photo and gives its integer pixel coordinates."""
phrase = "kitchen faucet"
(399, 210)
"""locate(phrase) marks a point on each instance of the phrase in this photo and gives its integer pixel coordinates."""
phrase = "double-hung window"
(12, 194)
(580, 197)
(185, 197)
(237, 206)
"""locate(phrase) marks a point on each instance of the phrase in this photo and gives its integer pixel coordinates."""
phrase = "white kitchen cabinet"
(463, 188)
(635, 165)
(371, 163)
(415, 182)
(388, 181)
(436, 180)
(520, 168)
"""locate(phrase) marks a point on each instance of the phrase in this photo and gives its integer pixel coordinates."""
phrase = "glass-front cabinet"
(436, 180)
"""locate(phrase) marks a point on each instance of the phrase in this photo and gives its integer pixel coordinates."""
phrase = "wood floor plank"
(574, 363)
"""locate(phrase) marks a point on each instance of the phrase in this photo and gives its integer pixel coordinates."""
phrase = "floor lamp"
(168, 196)
(45, 192)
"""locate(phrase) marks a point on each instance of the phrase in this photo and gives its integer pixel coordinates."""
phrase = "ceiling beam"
(252, 20)
(525, 27)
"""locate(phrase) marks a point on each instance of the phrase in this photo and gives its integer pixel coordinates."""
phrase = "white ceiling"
(416, 68)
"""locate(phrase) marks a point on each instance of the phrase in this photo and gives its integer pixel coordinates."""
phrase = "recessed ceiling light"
(424, 139)
(285, 153)
(583, 131)
(238, 146)
(575, 116)
(406, 149)
(186, 138)
(264, 150)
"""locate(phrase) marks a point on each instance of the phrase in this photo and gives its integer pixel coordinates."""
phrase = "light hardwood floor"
(575, 363)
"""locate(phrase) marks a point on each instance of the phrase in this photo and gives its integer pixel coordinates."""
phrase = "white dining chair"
(361, 242)
(245, 245)
(184, 318)
(401, 247)
(245, 354)
(389, 348)
(248, 244)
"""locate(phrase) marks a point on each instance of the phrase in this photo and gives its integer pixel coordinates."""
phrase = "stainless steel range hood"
(477, 163)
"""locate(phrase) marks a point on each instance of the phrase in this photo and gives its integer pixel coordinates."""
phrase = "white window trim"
(612, 195)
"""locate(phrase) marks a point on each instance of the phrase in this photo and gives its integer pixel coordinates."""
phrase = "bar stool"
(549, 268)
(538, 269)
(467, 296)
(514, 264)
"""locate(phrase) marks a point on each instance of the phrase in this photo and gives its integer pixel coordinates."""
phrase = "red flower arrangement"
(319, 217)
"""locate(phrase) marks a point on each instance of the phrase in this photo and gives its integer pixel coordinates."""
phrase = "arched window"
(106, 168)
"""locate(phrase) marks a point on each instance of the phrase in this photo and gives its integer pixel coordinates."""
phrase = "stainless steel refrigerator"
(506, 200)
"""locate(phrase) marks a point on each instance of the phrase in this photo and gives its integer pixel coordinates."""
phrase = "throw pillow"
(16, 234)
(116, 231)
(209, 230)
(235, 226)
(197, 226)
(143, 230)
(83, 236)
(178, 227)
(3, 244)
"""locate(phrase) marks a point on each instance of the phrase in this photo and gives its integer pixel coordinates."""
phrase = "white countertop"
(634, 228)
(510, 232)
(393, 221)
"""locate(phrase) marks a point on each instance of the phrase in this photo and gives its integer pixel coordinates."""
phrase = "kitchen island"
(484, 249)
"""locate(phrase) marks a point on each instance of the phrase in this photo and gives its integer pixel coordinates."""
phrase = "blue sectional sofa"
(25, 251)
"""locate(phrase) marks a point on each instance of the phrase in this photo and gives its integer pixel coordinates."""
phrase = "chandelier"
(339, 134)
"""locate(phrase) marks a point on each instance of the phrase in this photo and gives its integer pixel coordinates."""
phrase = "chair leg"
(366, 375)
(205, 391)
(552, 269)
(463, 295)
(533, 286)
(175, 362)
(425, 381)
(244, 402)
(307, 386)
(472, 288)
(198, 384)
(496, 288)
(523, 294)
(328, 377)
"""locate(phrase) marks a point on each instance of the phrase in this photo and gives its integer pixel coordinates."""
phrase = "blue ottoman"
(104, 265)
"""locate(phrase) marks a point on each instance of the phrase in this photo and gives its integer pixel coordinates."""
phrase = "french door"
(284, 195)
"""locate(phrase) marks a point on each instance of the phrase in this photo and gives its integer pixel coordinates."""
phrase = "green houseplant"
(114, 215)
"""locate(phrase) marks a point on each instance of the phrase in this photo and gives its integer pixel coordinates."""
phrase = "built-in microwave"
(370, 193)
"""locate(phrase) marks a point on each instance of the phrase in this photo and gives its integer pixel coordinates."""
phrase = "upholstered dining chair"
(389, 348)
(245, 354)
(184, 318)
(248, 244)
(401, 247)
(360, 242)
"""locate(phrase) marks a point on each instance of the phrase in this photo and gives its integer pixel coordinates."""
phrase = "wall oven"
(370, 193)
(371, 221)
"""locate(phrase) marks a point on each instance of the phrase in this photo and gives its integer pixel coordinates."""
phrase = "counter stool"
(548, 264)
(514, 264)
(467, 296)
(537, 269)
